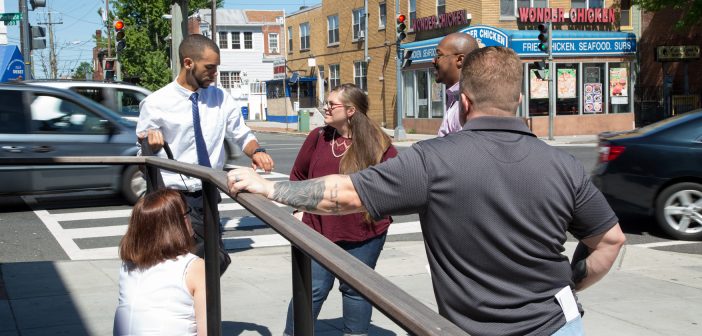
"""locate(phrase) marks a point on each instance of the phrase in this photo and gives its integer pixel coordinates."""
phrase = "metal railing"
(405, 310)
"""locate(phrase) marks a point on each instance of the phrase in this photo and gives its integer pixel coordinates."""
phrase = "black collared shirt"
(495, 203)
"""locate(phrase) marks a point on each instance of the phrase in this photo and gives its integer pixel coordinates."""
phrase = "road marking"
(666, 243)
(69, 246)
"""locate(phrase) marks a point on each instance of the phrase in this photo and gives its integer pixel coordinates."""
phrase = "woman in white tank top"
(161, 284)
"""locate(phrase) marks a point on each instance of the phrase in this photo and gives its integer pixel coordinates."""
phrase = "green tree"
(691, 10)
(83, 71)
(147, 55)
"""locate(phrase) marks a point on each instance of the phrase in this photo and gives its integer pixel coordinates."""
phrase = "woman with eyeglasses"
(161, 284)
(349, 142)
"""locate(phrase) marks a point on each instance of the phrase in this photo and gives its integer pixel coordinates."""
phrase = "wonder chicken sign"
(561, 15)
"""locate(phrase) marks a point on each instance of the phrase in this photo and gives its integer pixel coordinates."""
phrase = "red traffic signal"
(119, 25)
(401, 18)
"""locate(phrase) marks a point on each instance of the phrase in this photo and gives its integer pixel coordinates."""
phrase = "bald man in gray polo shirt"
(495, 203)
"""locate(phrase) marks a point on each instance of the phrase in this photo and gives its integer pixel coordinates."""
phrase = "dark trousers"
(197, 218)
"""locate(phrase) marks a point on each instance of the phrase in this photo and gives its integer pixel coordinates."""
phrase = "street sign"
(11, 19)
(677, 53)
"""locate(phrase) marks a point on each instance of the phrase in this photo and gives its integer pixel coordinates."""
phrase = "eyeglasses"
(327, 106)
(187, 212)
(436, 58)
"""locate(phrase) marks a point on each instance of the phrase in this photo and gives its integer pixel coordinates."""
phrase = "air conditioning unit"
(361, 34)
(274, 50)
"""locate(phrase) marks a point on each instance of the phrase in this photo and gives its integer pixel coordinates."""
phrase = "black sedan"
(656, 170)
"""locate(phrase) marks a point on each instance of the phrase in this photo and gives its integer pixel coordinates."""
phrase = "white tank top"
(155, 301)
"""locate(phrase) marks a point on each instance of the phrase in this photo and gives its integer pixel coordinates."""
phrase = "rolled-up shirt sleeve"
(395, 187)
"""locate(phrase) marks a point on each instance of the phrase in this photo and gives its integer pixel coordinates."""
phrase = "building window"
(223, 40)
(248, 40)
(334, 78)
(305, 36)
(625, 16)
(359, 75)
(290, 40)
(587, 3)
(333, 29)
(412, 4)
(440, 7)
(236, 40)
(510, 8)
(359, 23)
(273, 43)
(382, 15)
(230, 79)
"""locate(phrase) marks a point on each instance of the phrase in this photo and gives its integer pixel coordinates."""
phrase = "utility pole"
(179, 29)
(551, 82)
(399, 128)
(24, 38)
(109, 28)
(53, 63)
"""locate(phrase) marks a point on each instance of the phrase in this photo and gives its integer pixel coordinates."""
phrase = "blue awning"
(566, 43)
(11, 63)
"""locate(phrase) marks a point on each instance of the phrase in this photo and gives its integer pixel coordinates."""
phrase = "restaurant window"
(334, 79)
(248, 40)
(437, 97)
(236, 40)
(510, 8)
(422, 93)
(333, 29)
(587, 3)
(440, 7)
(360, 70)
(593, 88)
(358, 20)
(408, 86)
(567, 92)
(619, 90)
(223, 40)
(305, 36)
(382, 15)
(538, 93)
(290, 39)
(412, 4)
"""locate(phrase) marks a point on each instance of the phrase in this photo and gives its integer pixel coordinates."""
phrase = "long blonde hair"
(369, 140)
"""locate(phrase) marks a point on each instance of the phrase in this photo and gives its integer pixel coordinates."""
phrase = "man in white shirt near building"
(448, 63)
(195, 118)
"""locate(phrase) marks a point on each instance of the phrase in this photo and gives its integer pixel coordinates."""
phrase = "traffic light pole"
(551, 83)
(26, 42)
(399, 128)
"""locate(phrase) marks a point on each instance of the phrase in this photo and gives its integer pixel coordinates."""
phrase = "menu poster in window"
(538, 88)
(566, 83)
(436, 92)
(592, 75)
(593, 98)
(618, 82)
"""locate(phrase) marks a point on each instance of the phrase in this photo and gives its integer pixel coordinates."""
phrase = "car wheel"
(133, 184)
(679, 211)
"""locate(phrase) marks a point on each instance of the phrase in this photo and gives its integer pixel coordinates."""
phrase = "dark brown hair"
(194, 45)
(369, 140)
(157, 230)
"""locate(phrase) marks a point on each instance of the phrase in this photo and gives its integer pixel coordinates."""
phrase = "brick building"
(595, 54)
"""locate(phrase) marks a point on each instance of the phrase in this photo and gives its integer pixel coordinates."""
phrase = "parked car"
(656, 170)
(39, 121)
(120, 97)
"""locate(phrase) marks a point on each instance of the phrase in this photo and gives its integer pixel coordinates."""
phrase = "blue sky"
(73, 38)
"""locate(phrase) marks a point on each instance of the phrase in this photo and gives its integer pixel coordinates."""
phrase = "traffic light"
(540, 70)
(120, 42)
(36, 36)
(544, 31)
(109, 68)
(401, 27)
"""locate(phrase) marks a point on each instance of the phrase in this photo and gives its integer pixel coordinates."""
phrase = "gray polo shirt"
(495, 203)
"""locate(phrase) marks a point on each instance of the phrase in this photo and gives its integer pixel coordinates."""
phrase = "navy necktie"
(203, 158)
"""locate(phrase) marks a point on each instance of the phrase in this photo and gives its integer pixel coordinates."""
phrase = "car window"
(93, 93)
(128, 102)
(12, 118)
(51, 114)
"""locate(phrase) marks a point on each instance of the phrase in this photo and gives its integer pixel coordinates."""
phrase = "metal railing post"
(212, 236)
(302, 292)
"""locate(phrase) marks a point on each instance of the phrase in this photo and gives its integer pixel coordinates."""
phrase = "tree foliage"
(147, 55)
(691, 10)
(83, 71)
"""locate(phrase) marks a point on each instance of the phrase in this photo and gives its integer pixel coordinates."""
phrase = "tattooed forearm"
(334, 197)
(305, 195)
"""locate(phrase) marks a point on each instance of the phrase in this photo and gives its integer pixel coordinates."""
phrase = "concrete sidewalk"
(291, 128)
(648, 292)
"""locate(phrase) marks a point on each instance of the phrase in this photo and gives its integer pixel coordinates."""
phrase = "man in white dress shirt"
(187, 106)
(448, 63)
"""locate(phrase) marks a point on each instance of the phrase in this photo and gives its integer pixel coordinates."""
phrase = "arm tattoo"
(334, 197)
(304, 195)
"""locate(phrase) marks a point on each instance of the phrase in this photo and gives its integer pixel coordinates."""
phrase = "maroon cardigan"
(314, 160)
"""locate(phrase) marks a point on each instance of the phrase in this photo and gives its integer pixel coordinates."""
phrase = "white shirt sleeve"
(237, 131)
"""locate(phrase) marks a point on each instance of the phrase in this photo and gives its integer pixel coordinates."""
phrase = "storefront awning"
(11, 63)
(566, 43)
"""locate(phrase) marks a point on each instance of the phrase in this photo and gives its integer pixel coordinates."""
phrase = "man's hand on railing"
(246, 179)
(155, 139)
